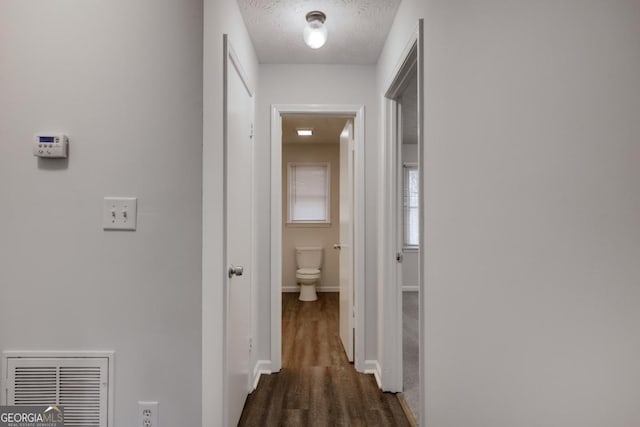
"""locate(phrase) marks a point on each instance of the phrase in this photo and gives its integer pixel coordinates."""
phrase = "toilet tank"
(309, 257)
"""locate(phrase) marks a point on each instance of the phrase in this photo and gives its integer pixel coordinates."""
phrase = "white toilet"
(308, 261)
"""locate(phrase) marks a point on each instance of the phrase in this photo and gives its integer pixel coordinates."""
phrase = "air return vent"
(79, 382)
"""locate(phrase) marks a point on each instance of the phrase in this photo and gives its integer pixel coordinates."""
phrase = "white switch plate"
(119, 213)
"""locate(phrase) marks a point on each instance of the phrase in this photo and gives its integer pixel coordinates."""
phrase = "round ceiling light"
(315, 32)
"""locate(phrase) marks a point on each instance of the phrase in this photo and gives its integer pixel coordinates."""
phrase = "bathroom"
(311, 199)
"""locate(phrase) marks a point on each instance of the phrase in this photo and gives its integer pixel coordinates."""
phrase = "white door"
(346, 240)
(400, 195)
(238, 234)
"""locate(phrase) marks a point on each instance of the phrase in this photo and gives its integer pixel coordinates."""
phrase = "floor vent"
(80, 382)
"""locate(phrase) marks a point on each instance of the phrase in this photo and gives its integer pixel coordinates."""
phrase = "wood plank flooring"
(317, 386)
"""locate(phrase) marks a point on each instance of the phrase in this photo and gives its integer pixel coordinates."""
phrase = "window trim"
(327, 205)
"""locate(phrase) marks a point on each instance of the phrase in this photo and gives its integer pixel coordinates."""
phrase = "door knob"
(235, 270)
(337, 246)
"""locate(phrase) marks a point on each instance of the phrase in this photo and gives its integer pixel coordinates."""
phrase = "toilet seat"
(307, 271)
(308, 277)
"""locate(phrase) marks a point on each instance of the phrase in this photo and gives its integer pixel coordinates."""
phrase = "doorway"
(355, 113)
(403, 239)
(408, 233)
(317, 226)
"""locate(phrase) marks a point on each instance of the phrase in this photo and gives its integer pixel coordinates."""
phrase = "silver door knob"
(235, 270)
(337, 246)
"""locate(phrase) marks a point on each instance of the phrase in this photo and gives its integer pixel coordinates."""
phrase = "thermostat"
(52, 145)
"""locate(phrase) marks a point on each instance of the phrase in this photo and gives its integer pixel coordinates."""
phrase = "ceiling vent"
(79, 382)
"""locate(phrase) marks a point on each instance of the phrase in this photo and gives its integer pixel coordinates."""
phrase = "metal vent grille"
(80, 385)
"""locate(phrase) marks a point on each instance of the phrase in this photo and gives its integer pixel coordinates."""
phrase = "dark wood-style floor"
(317, 386)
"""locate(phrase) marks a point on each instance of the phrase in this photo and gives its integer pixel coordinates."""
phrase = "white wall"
(124, 80)
(532, 147)
(410, 153)
(220, 16)
(317, 84)
(322, 235)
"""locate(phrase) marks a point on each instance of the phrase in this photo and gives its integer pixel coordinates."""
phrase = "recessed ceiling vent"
(79, 382)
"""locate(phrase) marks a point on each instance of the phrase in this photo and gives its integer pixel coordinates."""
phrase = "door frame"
(357, 113)
(411, 59)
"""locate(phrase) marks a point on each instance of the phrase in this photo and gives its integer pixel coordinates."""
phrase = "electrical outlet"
(148, 414)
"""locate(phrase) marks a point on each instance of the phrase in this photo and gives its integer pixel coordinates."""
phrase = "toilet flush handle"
(337, 246)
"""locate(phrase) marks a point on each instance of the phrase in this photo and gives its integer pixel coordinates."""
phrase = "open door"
(346, 245)
(238, 237)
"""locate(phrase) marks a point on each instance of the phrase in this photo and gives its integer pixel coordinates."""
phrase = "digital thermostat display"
(50, 144)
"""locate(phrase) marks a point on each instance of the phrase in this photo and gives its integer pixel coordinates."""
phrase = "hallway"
(317, 386)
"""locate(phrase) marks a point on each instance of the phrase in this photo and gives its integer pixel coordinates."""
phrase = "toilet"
(308, 262)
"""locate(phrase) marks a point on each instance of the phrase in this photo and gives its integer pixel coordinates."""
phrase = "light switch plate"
(119, 213)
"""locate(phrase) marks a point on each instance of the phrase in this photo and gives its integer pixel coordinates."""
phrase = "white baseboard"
(296, 288)
(263, 367)
(410, 288)
(373, 367)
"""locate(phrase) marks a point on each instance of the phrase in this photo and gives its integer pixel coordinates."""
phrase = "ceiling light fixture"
(315, 32)
(305, 132)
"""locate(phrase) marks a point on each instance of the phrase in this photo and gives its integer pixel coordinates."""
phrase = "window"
(411, 205)
(309, 193)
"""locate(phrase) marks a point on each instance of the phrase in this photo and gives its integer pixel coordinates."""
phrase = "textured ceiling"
(357, 30)
(325, 129)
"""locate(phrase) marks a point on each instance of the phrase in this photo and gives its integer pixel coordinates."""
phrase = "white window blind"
(309, 192)
(411, 206)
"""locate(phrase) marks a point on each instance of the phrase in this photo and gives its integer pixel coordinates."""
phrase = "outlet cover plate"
(148, 414)
(120, 213)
